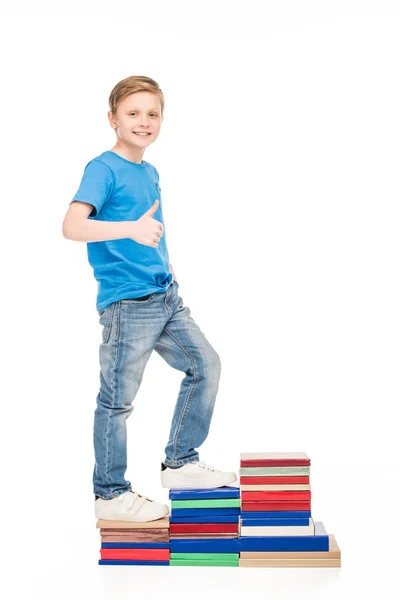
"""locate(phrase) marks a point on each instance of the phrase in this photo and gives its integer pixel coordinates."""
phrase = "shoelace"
(203, 465)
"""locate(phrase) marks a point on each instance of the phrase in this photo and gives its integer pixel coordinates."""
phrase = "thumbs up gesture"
(147, 230)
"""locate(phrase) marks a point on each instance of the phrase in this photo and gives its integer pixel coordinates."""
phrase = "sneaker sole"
(156, 517)
(183, 484)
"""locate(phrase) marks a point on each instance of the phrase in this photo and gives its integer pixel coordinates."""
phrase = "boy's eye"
(134, 113)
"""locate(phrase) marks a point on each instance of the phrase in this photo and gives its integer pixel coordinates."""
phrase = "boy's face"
(138, 112)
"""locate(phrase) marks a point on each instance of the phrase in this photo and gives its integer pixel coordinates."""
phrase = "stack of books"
(264, 522)
(276, 525)
(204, 526)
(130, 543)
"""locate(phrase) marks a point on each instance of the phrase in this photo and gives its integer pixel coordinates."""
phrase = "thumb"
(153, 209)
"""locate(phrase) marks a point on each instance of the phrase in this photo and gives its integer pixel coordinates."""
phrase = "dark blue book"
(273, 522)
(277, 514)
(154, 563)
(300, 543)
(221, 492)
(142, 545)
(209, 519)
(204, 512)
(205, 545)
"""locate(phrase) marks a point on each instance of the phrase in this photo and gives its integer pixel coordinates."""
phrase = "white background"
(278, 161)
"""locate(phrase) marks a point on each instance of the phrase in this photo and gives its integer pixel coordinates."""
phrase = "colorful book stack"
(130, 543)
(204, 527)
(266, 522)
(276, 526)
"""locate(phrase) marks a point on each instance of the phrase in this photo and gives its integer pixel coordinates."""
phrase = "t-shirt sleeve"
(96, 186)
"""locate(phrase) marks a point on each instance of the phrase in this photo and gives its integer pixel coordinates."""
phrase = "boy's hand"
(146, 230)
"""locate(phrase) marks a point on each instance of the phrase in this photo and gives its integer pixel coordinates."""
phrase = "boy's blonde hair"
(129, 85)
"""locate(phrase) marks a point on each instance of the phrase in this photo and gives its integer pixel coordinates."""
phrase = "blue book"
(278, 514)
(273, 522)
(209, 519)
(301, 543)
(222, 492)
(204, 512)
(155, 563)
(205, 545)
(142, 545)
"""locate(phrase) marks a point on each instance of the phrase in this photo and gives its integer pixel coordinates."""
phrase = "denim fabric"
(132, 329)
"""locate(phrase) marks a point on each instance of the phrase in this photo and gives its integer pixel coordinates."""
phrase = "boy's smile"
(137, 124)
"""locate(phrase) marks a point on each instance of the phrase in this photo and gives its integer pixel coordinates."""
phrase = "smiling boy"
(117, 210)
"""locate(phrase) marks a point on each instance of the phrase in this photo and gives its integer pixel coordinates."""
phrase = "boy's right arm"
(76, 226)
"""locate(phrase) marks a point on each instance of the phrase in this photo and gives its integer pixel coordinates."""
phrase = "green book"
(254, 471)
(213, 503)
(231, 556)
(203, 563)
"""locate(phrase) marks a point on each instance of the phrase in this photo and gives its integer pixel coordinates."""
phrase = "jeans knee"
(213, 366)
(118, 403)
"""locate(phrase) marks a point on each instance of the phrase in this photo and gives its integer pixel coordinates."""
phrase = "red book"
(135, 553)
(275, 506)
(274, 459)
(276, 495)
(289, 462)
(200, 536)
(274, 480)
(204, 527)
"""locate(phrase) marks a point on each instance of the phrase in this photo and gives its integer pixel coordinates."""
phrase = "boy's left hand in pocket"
(172, 272)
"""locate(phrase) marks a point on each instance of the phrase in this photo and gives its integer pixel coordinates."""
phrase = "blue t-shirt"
(121, 190)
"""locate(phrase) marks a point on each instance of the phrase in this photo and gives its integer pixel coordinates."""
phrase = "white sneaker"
(130, 506)
(195, 475)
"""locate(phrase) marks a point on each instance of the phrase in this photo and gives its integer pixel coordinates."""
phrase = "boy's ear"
(111, 119)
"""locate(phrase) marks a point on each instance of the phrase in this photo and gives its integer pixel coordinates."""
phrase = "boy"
(118, 211)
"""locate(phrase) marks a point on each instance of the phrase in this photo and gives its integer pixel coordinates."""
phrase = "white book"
(272, 455)
(278, 530)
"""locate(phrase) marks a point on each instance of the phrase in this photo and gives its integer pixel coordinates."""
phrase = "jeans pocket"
(106, 319)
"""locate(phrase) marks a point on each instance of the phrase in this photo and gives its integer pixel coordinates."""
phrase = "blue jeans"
(131, 330)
